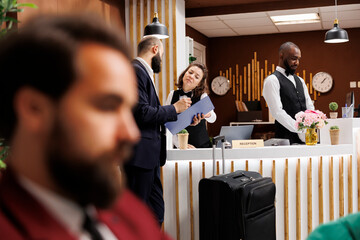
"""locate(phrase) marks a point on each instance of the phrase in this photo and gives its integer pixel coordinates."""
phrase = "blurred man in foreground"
(67, 114)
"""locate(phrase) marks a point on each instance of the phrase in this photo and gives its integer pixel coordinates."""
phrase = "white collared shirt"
(271, 93)
(68, 213)
(149, 70)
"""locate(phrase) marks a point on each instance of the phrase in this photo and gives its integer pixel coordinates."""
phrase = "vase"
(333, 115)
(311, 136)
(334, 136)
(183, 140)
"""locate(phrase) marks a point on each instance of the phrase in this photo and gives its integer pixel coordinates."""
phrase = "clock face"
(220, 85)
(322, 82)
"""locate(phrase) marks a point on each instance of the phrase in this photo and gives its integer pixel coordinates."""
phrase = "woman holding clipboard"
(192, 84)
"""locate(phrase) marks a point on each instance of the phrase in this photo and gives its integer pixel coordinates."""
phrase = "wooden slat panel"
(249, 79)
(261, 167)
(309, 194)
(145, 17)
(232, 166)
(217, 168)
(174, 55)
(350, 195)
(138, 25)
(331, 189)
(191, 202)
(131, 22)
(341, 187)
(252, 80)
(240, 90)
(177, 201)
(258, 79)
(286, 200)
(266, 68)
(262, 81)
(321, 191)
(160, 76)
(311, 88)
(273, 171)
(203, 169)
(298, 201)
(245, 79)
(247, 165)
(167, 50)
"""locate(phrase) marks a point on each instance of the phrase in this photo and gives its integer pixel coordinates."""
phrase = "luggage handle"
(215, 141)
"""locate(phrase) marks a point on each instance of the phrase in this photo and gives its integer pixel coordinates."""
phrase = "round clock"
(322, 82)
(220, 85)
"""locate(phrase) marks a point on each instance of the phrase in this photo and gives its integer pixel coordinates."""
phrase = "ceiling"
(221, 22)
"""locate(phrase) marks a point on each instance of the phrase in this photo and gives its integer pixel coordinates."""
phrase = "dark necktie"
(90, 227)
(182, 93)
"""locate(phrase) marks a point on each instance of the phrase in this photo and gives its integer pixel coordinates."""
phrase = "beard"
(97, 181)
(156, 63)
(288, 69)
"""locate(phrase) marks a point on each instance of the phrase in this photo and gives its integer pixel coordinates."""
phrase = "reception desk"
(314, 184)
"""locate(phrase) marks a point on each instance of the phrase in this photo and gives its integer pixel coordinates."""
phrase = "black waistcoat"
(293, 101)
(198, 135)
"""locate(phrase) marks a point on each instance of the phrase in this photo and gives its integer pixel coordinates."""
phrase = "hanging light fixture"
(156, 29)
(336, 34)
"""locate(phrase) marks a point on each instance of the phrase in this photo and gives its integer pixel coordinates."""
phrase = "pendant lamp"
(156, 29)
(336, 34)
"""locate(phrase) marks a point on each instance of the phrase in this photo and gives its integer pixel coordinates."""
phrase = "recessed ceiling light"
(295, 18)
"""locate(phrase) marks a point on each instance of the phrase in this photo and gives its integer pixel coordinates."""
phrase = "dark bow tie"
(288, 73)
(182, 93)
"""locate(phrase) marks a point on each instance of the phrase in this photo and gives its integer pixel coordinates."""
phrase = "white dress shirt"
(271, 93)
(210, 119)
(149, 70)
(68, 213)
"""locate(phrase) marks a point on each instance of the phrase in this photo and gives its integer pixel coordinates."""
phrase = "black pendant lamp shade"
(156, 29)
(336, 34)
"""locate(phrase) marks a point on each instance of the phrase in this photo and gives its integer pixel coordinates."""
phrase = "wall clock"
(220, 85)
(322, 82)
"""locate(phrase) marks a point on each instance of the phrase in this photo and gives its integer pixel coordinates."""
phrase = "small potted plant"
(183, 137)
(333, 106)
(334, 135)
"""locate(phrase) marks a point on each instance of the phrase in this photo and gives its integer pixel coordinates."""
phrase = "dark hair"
(146, 43)
(41, 55)
(286, 46)
(202, 87)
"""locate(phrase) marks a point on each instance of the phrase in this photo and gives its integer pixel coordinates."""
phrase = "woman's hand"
(189, 146)
(197, 119)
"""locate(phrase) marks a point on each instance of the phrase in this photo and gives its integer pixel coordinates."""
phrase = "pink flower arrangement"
(310, 119)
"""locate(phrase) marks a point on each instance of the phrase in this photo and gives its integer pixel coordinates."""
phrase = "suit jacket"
(150, 117)
(23, 217)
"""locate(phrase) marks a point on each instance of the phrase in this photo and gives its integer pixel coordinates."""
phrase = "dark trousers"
(146, 184)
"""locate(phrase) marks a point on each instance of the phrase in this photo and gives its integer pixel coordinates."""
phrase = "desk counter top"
(263, 152)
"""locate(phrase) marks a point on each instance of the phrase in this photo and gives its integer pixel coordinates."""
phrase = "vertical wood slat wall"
(312, 179)
(252, 80)
(141, 13)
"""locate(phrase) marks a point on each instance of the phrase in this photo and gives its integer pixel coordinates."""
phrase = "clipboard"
(185, 118)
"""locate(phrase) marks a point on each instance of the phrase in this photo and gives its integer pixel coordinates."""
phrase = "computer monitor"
(236, 133)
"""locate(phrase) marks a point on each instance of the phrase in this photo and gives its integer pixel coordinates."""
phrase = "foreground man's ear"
(34, 110)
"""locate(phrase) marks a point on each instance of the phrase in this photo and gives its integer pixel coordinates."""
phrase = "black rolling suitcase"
(238, 205)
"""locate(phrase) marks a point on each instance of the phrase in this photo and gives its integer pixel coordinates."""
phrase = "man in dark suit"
(143, 170)
(67, 114)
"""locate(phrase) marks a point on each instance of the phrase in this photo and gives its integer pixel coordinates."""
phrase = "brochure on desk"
(185, 118)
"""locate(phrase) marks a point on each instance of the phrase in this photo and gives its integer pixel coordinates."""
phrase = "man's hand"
(182, 105)
(197, 119)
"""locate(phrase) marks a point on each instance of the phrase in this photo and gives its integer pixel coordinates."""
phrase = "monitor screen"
(236, 133)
